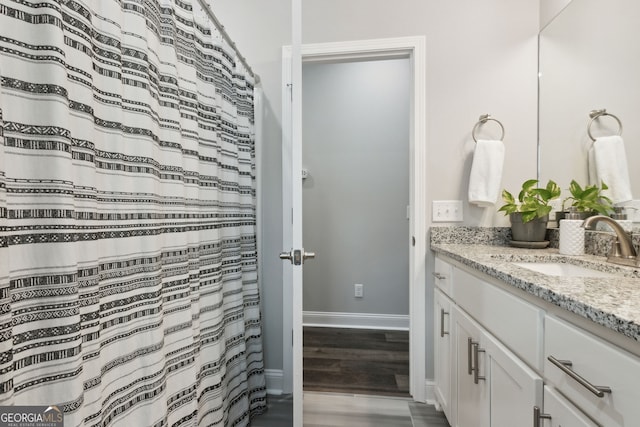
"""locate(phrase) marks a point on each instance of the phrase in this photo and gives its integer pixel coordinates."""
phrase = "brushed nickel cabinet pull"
(537, 416)
(442, 331)
(476, 369)
(565, 366)
(439, 275)
(469, 356)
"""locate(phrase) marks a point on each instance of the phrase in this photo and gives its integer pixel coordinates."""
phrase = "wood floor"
(353, 378)
(363, 361)
(343, 410)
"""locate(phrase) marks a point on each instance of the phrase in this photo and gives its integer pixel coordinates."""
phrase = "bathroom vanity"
(529, 337)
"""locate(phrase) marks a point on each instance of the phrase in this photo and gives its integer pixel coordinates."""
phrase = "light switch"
(447, 211)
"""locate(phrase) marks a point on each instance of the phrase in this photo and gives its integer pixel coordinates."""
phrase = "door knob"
(297, 256)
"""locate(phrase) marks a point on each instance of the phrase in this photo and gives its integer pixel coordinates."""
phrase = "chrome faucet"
(622, 251)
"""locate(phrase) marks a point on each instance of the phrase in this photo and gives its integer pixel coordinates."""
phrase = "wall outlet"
(447, 210)
(359, 290)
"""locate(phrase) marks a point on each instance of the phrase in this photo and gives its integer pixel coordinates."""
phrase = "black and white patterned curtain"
(128, 280)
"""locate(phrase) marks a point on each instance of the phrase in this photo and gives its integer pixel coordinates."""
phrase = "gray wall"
(481, 58)
(355, 135)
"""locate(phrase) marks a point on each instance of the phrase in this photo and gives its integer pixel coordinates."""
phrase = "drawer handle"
(476, 369)
(537, 416)
(470, 344)
(565, 366)
(442, 331)
(439, 275)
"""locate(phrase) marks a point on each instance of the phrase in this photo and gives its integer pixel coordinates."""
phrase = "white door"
(515, 388)
(442, 351)
(472, 388)
(292, 196)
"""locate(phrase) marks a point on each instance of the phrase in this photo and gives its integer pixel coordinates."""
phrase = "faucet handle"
(615, 250)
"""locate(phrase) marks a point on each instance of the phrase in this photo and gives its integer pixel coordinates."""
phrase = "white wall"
(549, 9)
(481, 58)
(260, 29)
(355, 133)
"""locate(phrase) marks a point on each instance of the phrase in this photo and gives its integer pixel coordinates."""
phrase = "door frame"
(413, 48)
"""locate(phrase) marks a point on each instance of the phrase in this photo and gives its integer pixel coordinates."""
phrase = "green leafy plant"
(532, 201)
(589, 198)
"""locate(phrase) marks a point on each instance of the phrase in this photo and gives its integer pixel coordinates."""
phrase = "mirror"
(589, 60)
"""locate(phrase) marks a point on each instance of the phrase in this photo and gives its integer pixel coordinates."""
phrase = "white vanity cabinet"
(442, 352)
(484, 383)
(603, 380)
(471, 401)
(559, 412)
(515, 361)
(494, 388)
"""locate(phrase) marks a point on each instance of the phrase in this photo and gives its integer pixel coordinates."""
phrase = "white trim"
(415, 49)
(287, 232)
(274, 381)
(398, 322)
(430, 393)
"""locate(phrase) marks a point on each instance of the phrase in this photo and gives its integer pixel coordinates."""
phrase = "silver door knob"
(297, 256)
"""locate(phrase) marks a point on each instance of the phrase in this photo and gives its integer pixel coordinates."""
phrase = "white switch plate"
(447, 211)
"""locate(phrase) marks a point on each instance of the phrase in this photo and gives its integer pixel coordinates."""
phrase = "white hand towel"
(611, 167)
(591, 167)
(486, 172)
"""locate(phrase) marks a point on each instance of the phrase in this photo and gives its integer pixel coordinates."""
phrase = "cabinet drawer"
(598, 363)
(561, 413)
(514, 321)
(442, 274)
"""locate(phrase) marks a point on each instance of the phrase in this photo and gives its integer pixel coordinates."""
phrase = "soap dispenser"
(621, 218)
(571, 233)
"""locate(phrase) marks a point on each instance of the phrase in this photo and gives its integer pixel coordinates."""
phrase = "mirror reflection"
(589, 60)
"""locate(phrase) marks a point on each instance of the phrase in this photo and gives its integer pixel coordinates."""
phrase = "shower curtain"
(128, 279)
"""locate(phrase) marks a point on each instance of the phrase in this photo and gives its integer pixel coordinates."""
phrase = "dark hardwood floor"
(362, 361)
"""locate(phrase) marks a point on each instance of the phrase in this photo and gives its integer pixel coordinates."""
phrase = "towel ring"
(482, 120)
(594, 114)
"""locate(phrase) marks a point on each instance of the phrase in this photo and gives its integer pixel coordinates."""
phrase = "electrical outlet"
(359, 290)
(447, 211)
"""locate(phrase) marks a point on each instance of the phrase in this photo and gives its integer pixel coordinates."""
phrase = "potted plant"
(529, 212)
(587, 201)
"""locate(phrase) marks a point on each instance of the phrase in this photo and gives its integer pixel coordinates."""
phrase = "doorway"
(355, 197)
(414, 49)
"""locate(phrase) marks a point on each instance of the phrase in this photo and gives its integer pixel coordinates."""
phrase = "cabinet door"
(559, 412)
(471, 397)
(442, 352)
(515, 388)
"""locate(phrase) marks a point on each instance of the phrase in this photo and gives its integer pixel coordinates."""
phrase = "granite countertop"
(613, 302)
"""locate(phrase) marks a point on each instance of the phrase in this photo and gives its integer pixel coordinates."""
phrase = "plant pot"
(531, 231)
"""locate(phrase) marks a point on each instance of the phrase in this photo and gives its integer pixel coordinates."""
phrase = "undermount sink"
(562, 269)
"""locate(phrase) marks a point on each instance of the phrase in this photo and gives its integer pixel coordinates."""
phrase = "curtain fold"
(128, 270)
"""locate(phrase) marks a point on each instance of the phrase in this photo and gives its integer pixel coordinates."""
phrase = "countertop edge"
(607, 319)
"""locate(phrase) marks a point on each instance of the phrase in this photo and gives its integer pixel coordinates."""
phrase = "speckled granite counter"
(613, 302)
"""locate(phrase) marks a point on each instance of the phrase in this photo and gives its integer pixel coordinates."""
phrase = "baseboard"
(430, 392)
(274, 378)
(356, 320)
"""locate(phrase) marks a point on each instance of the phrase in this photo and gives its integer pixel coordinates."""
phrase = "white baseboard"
(356, 320)
(274, 378)
(430, 392)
